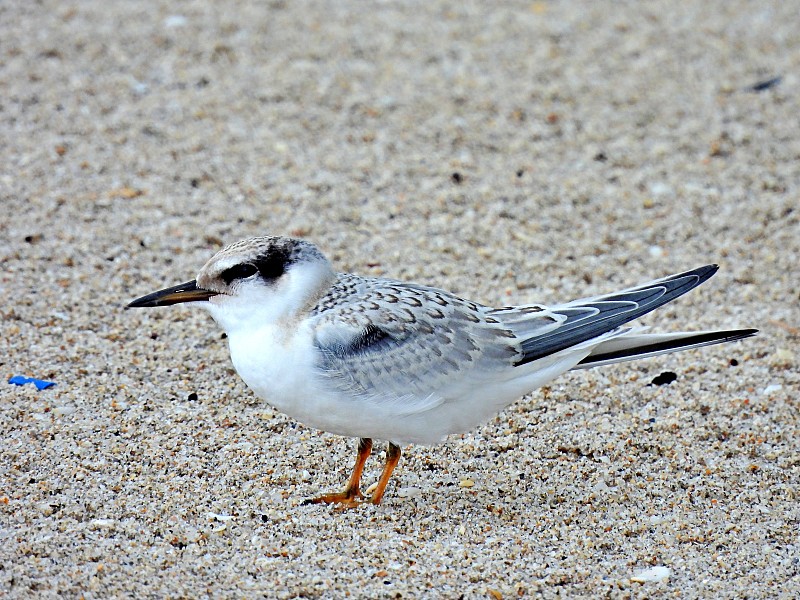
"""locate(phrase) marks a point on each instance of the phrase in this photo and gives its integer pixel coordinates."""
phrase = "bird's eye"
(242, 271)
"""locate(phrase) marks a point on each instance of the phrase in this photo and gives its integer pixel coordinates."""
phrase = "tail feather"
(635, 346)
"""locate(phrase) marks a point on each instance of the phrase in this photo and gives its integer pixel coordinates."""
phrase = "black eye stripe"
(241, 271)
(272, 265)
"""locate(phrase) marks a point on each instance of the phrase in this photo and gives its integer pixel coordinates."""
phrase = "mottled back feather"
(379, 335)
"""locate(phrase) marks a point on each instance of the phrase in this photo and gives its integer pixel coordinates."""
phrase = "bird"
(376, 358)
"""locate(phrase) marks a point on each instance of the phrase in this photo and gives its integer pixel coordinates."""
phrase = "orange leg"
(351, 494)
(392, 458)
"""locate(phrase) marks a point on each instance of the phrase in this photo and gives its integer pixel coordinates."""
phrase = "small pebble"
(408, 492)
(652, 574)
(173, 21)
(783, 357)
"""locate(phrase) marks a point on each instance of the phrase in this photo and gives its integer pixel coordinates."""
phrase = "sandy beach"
(512, 153)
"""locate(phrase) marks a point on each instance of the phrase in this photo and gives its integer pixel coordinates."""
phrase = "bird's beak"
(185, 292)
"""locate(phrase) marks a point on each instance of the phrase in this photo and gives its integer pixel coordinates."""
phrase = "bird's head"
(253, 282)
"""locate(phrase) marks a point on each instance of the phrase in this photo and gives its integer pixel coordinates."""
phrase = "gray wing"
(382, 338)
(391, 339)
(583, 320)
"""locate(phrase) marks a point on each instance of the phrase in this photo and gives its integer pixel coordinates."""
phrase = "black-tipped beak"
(185, 292)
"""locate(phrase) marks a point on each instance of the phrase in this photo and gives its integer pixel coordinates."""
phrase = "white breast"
(277, 364)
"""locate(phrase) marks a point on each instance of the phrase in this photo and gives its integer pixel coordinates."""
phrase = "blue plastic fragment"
(39, 383)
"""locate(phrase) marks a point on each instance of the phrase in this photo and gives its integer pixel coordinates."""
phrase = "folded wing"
(583, 320)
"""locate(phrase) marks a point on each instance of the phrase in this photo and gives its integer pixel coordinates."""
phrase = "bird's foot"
(344, 500)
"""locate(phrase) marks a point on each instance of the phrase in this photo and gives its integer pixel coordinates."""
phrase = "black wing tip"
(706, 272)
(703, 274)
(733, 335)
